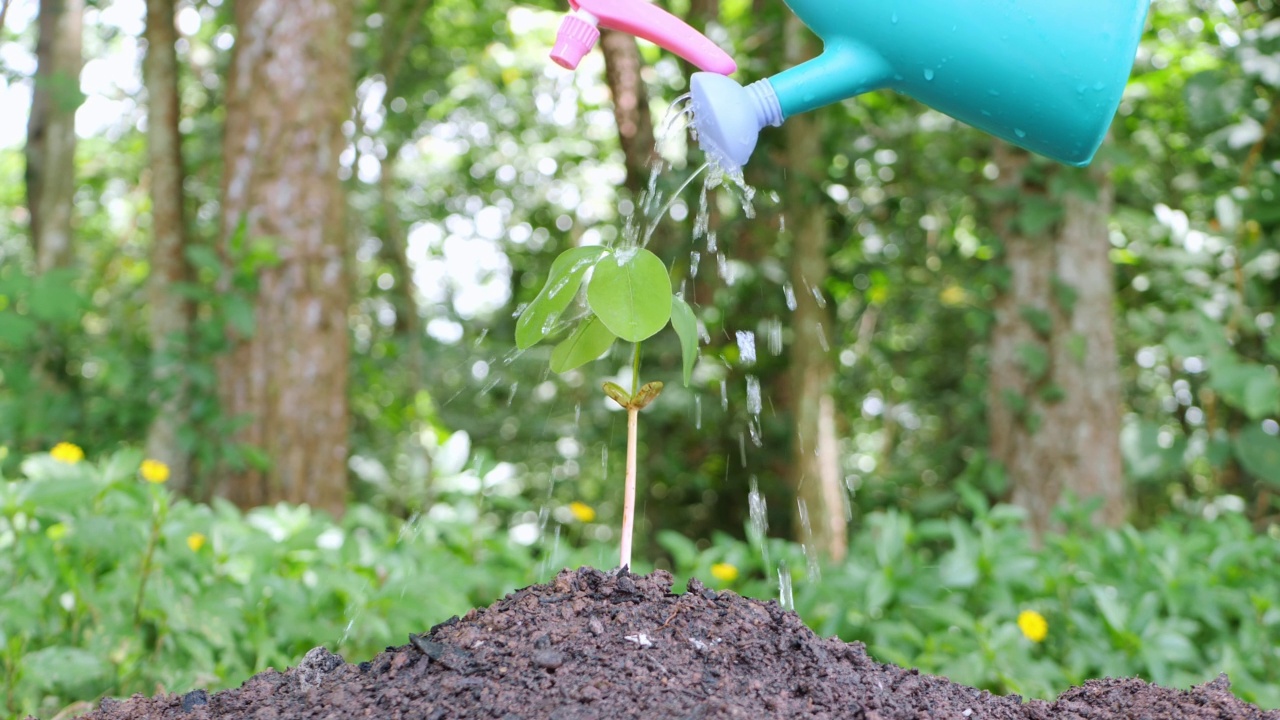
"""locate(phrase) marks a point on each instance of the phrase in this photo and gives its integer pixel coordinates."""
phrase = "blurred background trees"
(289, 250)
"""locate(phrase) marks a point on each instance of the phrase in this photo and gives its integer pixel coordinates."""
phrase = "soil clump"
(594, 645)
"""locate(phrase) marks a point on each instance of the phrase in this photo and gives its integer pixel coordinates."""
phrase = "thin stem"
(156, 520)
(629, 493)
(629, 490)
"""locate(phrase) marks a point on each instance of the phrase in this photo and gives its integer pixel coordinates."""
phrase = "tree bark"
(288, 93)
(171, 312)
(1054, 391)
(815, 472)
(51, 131)
(630, 106)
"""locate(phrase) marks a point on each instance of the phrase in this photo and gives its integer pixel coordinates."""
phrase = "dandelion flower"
(1033, 625)
(724, 572)
(68, 453)
(582, 512)
(154, 471)
(195, 541)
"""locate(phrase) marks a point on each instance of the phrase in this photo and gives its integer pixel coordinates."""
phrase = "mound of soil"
(594, 645)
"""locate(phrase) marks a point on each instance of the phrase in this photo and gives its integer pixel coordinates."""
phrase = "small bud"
(647, 394)
(617, 394)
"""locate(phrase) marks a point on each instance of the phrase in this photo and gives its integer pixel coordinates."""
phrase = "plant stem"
(156, 520)
(629, 494)
(629, 490)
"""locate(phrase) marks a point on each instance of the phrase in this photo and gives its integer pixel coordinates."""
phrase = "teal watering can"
(1046, 75)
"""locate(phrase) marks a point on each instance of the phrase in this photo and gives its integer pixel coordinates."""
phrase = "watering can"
(1046, 75)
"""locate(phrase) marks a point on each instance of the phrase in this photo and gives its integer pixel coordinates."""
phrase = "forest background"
(280, 247)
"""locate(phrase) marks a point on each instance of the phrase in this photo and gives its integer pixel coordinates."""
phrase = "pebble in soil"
(596, 645)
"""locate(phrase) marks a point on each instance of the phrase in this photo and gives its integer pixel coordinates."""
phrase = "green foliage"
(628, 296)
(539, 318)
(232, 593)
(227, 593)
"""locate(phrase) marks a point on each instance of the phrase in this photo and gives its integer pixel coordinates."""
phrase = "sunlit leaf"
(539, 319)
(589, 341)
(631, 294)
(686, 327)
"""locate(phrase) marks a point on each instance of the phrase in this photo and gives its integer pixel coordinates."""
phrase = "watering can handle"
(642, 19)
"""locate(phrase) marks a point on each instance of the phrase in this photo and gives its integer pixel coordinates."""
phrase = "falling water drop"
(754, 403)
(1020, 132)
(746, 347)
(697, 412)
(711, 241)
(724, 395)
(822, 338)
(785, 597)
(773, 330)
(790, 294)
(928, 73)
(694, 258)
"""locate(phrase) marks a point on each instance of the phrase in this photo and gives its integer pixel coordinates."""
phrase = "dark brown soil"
(595, 645)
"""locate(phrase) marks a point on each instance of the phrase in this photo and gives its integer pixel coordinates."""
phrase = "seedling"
(629, 298)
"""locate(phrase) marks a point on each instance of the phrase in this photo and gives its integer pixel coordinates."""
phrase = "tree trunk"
(630, 106)
(1054, 394)
(815, 472)
(287, 382)
(171, 313)
(51, 131)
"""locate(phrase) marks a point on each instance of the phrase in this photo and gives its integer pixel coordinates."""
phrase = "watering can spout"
(1046, 75)
(728, 117)
(579, 32)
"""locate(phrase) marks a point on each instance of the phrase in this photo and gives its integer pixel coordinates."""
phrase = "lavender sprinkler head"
(728, 117)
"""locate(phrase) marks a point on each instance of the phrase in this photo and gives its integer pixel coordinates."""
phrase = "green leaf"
(1259, 453)
(631, 295)
(203, 258)
(1038, 214)
(538, 320)
(1038, 318)
(54, 298)
(1251, 387)
(15, 329)
(686, 327)
(589, 341)
(240, 313)
(63, 667)
(1034, 359)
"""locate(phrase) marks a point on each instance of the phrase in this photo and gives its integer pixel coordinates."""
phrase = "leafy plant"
(628, 297)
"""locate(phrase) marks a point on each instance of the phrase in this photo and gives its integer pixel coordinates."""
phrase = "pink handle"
(648, 21)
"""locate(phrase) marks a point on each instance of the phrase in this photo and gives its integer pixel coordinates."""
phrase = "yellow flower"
(954, 295)
(195, 541)
(582, 511)
(724, 572)
(68, 453)
(154, 471)
(1033, 625)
